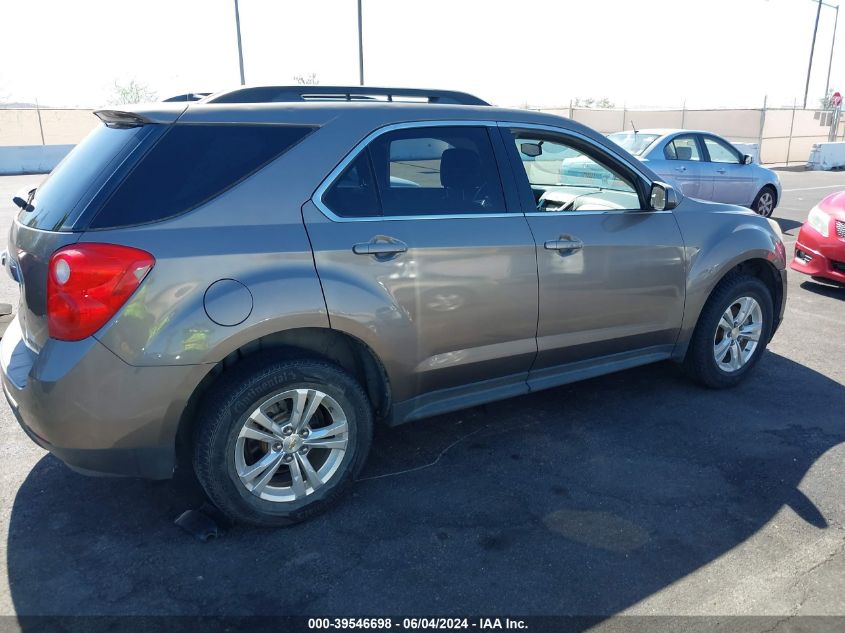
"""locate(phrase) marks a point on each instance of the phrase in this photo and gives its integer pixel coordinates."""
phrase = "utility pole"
(832, 44)
(812, 50)
(240, 48)
(360, 46)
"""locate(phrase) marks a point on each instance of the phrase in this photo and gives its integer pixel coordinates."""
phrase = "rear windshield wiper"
(23, 199)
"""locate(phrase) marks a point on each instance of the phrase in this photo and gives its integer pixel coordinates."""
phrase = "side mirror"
(663, 197)
(531, 149)
(747, 159)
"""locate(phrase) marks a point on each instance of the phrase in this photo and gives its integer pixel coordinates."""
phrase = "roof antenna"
(634, 127)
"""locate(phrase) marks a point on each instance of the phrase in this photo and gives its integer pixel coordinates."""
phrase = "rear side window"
(682, 148)
(189, 166)
(449, 170)
(77, 177)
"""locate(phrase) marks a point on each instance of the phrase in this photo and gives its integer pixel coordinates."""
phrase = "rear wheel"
(764, 203)
(732, 332)
(277, 441)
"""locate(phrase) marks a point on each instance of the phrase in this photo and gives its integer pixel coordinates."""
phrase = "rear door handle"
(564, 245)
(380, 246)
(720, 171)
(680, 168)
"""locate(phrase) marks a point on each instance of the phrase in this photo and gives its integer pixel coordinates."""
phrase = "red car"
(820, 249)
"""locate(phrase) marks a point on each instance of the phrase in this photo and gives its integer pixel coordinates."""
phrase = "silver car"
(705, 166)
(247, 285)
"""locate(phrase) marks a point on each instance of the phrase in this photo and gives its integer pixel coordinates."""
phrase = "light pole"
(360, 46)
(812, 50)
(240, 48)
(832, 44)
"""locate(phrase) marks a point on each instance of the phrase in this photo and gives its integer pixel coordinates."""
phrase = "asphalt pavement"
(634, 493)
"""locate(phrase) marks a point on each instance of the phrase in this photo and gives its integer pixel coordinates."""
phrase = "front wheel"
(732, 332)
(277, 441)
(764, 203)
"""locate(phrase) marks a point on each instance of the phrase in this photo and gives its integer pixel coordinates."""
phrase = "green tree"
(307, 80)
(132, 92)
(590, 102)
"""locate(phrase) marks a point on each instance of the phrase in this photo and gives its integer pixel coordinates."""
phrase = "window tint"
(71, 180)
(421, 171)
(565, 176)
(190, 165)
(437, 171)
(719, 151)
(682, 148)
(354, 194)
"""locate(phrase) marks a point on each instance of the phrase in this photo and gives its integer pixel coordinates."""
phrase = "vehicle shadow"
(834, 292)
(787, 225)
(580, 500)
(793, 168)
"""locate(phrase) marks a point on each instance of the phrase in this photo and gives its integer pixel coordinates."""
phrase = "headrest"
(460, 168)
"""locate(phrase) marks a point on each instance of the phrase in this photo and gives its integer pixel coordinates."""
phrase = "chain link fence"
(783, 135)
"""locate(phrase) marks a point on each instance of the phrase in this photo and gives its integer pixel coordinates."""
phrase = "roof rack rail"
(270, 94)
(191, 96)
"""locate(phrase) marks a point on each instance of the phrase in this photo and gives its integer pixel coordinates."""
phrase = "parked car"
(820, 249)
(705, 166)
(250, 289)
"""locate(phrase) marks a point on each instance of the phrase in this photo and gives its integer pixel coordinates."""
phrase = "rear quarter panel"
(253, 234)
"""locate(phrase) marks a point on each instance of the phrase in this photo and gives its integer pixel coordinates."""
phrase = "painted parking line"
(840, 186)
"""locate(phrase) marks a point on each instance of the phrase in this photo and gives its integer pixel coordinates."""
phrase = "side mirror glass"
(747, 159)
(531, 150)
(663, 197)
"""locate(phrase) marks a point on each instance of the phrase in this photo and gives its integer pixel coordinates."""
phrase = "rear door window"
(682, 148)
(437, 171)
(353, 194)
(189, 166)
(421, 171)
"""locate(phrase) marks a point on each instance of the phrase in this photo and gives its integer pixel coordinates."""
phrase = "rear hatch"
(56, 214)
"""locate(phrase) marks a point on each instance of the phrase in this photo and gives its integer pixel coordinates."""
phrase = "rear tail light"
(88, 283)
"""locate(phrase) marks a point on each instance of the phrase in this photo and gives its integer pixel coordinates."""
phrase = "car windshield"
(634, 142)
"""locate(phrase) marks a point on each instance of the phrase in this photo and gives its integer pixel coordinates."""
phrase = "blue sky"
(542, 52)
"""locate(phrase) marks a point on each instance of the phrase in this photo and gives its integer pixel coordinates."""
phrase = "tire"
(711, 334)
(765, 202)
(249, 413)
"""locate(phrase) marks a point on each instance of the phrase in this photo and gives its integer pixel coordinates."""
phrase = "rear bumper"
(818, 256)
(90, 409)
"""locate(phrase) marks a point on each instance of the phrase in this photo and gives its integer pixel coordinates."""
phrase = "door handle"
(564, 245)
(380, 246)
(720, 171)
(680, 168)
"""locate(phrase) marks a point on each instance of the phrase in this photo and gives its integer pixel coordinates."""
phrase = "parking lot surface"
(635, 493)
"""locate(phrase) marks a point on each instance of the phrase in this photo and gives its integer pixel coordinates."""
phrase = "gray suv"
(250, 282)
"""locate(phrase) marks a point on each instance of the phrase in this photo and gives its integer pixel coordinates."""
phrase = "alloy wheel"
(766, 204)
(737, 334)
(291, 445)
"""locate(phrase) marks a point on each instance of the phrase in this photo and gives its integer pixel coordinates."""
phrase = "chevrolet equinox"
(252, 281)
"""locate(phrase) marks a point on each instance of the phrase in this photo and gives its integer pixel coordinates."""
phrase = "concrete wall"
(827, 156)
(782, 135)
(60, 126)
(31, 159)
